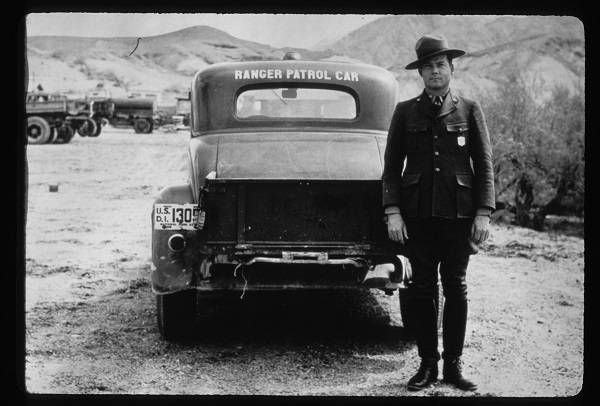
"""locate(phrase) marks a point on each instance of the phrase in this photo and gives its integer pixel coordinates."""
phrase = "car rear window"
(296, 103)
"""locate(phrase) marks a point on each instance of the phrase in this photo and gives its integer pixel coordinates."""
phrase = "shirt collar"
(430, 96)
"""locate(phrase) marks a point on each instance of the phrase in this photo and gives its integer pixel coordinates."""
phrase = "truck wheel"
(64, 134)
(98, 129)
(38, 130)
(52, 135)
(176, 314)
(88, 128)
(142, 126)
(408, 312)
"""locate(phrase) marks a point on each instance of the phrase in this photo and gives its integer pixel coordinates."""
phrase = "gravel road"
(90, 313)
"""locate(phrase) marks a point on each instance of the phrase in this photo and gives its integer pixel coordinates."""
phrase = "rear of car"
(285, 186)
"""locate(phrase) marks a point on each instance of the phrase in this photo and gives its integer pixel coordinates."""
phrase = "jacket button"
(437, 153)
(437, 169)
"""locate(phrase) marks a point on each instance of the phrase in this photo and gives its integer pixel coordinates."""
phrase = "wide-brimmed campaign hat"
(432, 45)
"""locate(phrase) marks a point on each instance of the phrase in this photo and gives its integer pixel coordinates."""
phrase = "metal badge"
(461, 141)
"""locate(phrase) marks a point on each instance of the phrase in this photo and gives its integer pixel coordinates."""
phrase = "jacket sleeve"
(393, 160)
(481, 154)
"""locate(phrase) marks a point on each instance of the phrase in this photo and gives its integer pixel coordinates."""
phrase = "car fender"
(169, 275)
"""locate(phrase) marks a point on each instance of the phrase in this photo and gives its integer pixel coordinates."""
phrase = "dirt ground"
(90, 312)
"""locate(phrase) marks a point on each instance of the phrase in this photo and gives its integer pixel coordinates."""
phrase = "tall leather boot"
(453, 375)
(425, 376)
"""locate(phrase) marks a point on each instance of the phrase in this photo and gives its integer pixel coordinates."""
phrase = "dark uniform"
(446, 180)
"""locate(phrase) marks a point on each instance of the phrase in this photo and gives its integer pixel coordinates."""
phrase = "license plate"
(171, 216)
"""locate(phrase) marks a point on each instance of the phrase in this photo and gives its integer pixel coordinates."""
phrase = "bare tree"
(538, 149)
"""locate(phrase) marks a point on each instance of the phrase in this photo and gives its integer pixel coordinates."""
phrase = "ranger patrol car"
(284, 190)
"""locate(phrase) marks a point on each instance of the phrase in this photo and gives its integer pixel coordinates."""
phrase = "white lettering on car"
(298, 74)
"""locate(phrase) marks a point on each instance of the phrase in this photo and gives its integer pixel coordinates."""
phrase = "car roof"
(215, 89)
(224, 69)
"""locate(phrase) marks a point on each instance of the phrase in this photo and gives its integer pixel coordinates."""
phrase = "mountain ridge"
(548, 47)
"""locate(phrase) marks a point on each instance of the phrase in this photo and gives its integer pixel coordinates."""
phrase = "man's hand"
(397, 228)
(480, 229)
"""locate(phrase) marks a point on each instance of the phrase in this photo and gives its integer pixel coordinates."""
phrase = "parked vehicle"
(164, 116)
(53, 118)
(182, 113)
(138, 113)
(284, 189)
(103, 111)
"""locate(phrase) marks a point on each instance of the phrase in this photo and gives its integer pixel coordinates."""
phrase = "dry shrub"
(539, 149)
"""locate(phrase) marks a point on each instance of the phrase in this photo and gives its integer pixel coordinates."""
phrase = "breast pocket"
(417, 137)
(457, 137)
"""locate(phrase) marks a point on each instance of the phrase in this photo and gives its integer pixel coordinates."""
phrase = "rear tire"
(99, 126)
(64, 134)
(52, 138)
(38, 130)
(142, 126)
(88, 128)
(176, 313)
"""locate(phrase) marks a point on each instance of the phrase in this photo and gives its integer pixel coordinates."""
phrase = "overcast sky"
(298, 30)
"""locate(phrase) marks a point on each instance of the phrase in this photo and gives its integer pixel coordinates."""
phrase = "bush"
(538, 150)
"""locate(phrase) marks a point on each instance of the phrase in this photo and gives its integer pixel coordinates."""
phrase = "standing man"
(438, 193)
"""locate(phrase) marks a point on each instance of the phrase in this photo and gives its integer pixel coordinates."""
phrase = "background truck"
(182, 113)
(138, 113)
(53, 118)
(174, 117)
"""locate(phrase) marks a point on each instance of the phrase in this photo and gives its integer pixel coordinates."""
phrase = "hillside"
(165, 62)
(548, 51)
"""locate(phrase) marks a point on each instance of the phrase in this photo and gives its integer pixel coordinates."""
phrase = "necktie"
(437, 100)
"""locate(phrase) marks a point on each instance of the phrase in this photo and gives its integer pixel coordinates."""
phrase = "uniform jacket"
(448, 171)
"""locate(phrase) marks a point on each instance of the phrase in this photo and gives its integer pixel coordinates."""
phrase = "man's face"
(436, 72)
